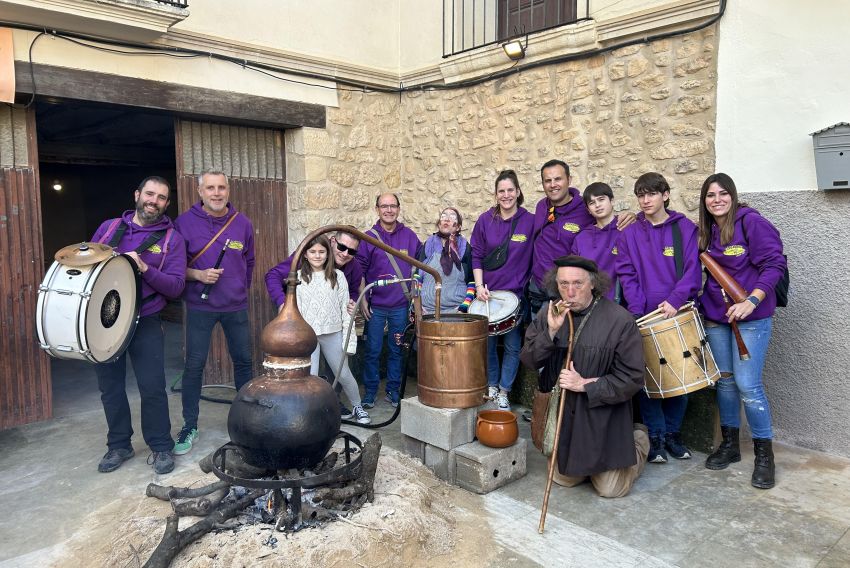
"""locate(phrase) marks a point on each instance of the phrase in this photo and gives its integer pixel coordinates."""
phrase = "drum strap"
(677, 250)
(394, 264)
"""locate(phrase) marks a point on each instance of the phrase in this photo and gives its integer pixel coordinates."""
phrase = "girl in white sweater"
(323, 301)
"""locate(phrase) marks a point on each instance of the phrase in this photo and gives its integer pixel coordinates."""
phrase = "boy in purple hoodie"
(220, 252)
(647, 268)
(598, 242)
(385, 306)
(162, 263)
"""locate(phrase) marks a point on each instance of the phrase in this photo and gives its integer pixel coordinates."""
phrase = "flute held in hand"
(205, 293)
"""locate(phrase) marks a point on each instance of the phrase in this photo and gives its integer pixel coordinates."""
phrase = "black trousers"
(147, 351)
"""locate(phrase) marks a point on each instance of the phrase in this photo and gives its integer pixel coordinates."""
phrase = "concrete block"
(441, 462)
(481, 469)
(446, 428)
(413, 447)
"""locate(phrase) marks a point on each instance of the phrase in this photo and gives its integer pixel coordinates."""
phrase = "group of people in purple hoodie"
(205, 257)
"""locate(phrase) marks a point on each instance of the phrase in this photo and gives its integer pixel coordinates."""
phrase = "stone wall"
(612, 117)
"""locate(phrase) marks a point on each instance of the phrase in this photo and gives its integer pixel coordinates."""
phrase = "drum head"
(113, 309)
(503, 304)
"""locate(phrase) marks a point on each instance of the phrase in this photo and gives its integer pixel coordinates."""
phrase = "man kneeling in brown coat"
(598, 436)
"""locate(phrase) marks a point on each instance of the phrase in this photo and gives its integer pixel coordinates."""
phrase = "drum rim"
(135, 319)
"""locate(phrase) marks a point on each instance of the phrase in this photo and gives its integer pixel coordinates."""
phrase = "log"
(167, 492)
(236, 466)
(201, 506)
(173, 540)
(365, 483)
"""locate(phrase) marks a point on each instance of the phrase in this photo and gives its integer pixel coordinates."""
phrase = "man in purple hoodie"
(148, 237)
(387, 306)
(654, 275)
(220, 252)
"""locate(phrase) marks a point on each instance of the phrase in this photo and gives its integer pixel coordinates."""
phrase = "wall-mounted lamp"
(57, 185)
(515, 48)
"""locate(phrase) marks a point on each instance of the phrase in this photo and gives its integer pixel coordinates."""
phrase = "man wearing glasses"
(387, 306)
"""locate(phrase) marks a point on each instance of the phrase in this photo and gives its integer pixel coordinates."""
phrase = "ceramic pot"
(496, 428)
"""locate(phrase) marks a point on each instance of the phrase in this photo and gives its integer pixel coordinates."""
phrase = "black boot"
(763, 472)
(728, 452)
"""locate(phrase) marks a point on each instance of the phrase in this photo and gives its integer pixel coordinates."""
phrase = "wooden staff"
(730, 286)
(553, 459)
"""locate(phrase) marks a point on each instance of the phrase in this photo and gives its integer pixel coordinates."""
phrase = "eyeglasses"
(342, 248)
(386, 206)
(448, 217)
(578, 284)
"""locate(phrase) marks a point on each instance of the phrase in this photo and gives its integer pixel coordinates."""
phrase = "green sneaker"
(185, 438)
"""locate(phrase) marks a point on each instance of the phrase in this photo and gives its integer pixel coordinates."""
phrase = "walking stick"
(553, 459)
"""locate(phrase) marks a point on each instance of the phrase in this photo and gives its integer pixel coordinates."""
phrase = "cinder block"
(446, 428)
(441, 462)
(413, 447)
(481, 469)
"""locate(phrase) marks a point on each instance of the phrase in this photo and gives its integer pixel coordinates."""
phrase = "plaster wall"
(780, 77)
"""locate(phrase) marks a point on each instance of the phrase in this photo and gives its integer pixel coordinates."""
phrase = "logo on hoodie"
(614, 251)
(734, 250)
(235, 245)
(572, 227)
(668, 251)
(155, 249)
(519, 238)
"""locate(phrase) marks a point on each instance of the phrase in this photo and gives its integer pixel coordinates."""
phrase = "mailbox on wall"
(832, 156)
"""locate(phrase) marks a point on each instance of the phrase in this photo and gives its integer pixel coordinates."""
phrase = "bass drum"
(89, 312)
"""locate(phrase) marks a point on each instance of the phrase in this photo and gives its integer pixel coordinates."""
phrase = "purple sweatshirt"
(158, 284)
(646, 267)
(230, 293)
(276, 279)
(554, 240)
(489, 232)
(753, 258)
(600, 246)
(376, 265)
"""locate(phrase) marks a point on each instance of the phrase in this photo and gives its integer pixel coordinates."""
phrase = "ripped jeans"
(745, 385)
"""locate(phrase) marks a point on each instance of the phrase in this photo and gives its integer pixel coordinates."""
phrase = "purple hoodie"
(158, 284)
(646, 267)
(489, 232)
(376, 265)
(276, 279)
(554, 240)
(600, 246)
(753, 258)
(230, 293)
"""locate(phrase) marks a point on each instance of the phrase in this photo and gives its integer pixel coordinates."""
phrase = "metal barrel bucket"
(452, 360)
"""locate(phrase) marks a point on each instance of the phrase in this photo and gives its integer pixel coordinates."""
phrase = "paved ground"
(679, 514)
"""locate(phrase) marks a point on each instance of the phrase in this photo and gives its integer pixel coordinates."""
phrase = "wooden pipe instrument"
(730, 286)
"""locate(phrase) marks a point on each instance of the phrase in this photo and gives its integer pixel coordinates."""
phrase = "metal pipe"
(292, 281)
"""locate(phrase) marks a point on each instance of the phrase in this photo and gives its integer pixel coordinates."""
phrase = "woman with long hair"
(748, 247)
(509, 228)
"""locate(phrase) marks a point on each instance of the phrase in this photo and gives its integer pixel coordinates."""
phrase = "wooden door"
(254, 162)
(25, 389)
(517, 17)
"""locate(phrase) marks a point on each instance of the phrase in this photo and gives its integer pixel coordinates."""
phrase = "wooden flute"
(730, 286)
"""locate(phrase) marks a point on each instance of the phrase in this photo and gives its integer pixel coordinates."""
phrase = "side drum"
(89, 312)
(678, 357)
(452, 360)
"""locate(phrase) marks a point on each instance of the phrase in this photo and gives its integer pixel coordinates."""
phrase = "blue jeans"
(504, 377)
(199, 328)
(396, 321)
(147, 352)
(662, 415)
(745, 385)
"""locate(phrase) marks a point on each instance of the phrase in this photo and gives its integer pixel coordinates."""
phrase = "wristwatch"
(754, 301)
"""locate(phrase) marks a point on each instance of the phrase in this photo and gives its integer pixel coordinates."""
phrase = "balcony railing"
(470, 24)
(178, 3)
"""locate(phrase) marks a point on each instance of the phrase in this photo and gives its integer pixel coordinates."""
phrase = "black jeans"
(147, 351)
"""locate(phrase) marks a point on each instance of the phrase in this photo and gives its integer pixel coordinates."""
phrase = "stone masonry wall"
(612, 117)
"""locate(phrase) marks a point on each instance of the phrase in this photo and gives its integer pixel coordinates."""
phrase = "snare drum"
(678, 357)
(503, 312)
(89, 312)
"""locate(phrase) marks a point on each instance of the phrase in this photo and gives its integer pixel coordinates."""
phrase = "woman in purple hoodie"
(651, 278)
(748, 247)
(508, 223)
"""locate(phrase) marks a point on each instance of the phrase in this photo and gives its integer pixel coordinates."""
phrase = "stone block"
(413, 447)
(482, 469)
(441, 462)
(445, 428)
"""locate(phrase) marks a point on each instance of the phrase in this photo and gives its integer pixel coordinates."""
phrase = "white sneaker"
(361, 415)
(492, 392)
(502, 401)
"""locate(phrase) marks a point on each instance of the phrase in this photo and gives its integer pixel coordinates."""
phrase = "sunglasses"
(342, 248)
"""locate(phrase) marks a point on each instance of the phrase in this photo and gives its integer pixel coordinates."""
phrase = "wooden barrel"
(452, 360)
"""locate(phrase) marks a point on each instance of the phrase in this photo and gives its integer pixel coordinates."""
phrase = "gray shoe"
(114, 458)
(163, 462)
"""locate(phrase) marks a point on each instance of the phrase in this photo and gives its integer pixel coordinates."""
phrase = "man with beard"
(220, 252)
(148, 237)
